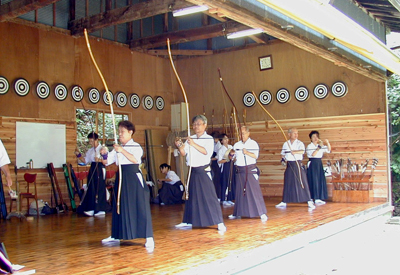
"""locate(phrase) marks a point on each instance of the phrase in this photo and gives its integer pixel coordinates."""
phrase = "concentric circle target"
(60, 91)
(321, 91)
(42, 90)
(21, 87)
(77, 93)
(265, 97)
(249, 99)
(148, 102)
(121, 99)
(301, 94)
(339, 89)
(105, 97)
(93, 95)
(160, 103)
(283, 96)
(4, 85)
(134, 101)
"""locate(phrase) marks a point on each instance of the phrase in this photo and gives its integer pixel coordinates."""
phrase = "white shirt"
(312, 147)
(296, 145)
(217, 146)
(251, 146)
(221, 153)
(132, 148)
(195, 158)
(4, 159)
(92, 153)
(173, 177)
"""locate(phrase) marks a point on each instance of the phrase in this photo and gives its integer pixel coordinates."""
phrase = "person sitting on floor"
(172, 188)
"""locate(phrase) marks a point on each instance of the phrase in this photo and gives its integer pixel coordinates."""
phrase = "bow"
(112, 113)
(187, 115)
(283, 133)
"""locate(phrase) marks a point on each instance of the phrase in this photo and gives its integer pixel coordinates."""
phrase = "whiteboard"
(41, 142)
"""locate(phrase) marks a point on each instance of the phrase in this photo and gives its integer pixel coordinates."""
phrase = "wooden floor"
(71, 244)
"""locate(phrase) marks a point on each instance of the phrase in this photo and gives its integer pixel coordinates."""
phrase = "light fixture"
(287, 27)
(332, 49)
(243, 33)
(189, 10)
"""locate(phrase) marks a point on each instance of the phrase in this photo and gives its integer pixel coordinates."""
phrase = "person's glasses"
(197, 124)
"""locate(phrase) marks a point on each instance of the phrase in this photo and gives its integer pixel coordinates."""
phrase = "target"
(249, 99)
(134, 101)
(283, 95)
(339, 89)
(61, 92)
(42, 90)
(121, 99)
(21, 87)
(148, 102)
(265, 97)
(94, 95)
(301, 94)
(77, 93)
(321, 91)
(159, 103)
(105, 98)
(4, 85)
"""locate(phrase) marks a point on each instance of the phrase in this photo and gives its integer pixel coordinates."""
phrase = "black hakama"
(228, 181)
(171, 193)
(202, 208)
(216, 176)
(95, 198)
(250, 203)
(292, 190)
(134, 220)
(316, 180)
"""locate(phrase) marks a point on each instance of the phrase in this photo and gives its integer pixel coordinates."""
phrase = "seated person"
(172, 188)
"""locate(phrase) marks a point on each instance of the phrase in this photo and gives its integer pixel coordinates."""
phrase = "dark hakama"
(95, 198)
(292, 190)
(228, 181)
(316, 180)
(134, 220)
(250, 204)
(216, 176)
(171, 193)
(202, 208)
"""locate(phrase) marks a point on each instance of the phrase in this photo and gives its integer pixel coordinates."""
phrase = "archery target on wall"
(42, 90)
(60, 91)
(321, 91)
(121, 99)
(4, 85)
(147, 102)
(21, 87)
(134, 101)
(105, 97)
(93, 95)
(283, 96)
(160, 103)
(301, 94)
(249, 99)
(265, 97)
(339, 89)
(77, 93)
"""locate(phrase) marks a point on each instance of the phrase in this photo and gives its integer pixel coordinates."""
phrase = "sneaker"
(225, 203)
(221, 227)
(231, 202)
(281, 205)
(149, 242)
(89, 213)
(232, 217)
(319, 202)
(109, 240)
(311, 205)
(264, 218)
(100, 213)
(183, 224)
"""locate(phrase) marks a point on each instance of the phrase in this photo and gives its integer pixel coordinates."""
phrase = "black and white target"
(321, 91)
(283, 96)
(121, 99)
(134, 101)
(339, 89)
(265, 97)
(21, 87)
(148, 102)
(94, 95)
(160, 103)
(60, 91)
(4, 85)
(105, 97)
(301, 94)
(42, 90)
(77, 93)
(249, 99)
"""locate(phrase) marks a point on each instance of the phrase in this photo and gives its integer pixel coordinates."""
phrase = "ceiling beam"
(17, 8)
(125, 14)
(180, 52)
